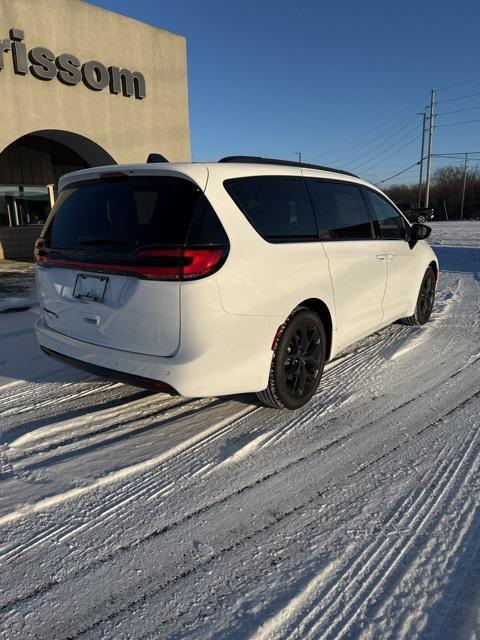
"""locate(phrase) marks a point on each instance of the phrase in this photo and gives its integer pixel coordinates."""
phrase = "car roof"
(220, 170)
(200, 172)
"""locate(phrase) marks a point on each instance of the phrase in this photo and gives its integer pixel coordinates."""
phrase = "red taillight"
(190, 263)
(156, 263)
(39, 251)
(169, 270)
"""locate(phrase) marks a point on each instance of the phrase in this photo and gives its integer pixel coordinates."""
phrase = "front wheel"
(425, 300)
(297, 363)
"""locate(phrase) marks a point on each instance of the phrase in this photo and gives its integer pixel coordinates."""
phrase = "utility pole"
(464, 185)
(424, 119)
(430, 140)
(299, 154)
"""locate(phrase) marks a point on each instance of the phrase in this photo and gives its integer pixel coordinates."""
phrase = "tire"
(297, 363)
(421, 219)
(425, 300)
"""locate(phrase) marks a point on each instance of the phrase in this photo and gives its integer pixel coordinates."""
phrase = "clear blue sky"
(339, 81)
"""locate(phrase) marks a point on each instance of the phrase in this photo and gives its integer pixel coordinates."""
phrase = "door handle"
(386, 256)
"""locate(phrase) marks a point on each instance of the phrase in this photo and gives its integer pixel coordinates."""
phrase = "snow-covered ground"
(17, 289)
(128, 514)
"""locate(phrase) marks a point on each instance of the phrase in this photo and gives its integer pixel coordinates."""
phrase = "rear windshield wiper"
(96, 240)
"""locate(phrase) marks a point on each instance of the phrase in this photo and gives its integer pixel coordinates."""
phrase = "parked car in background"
(418, 214)
(244, 275)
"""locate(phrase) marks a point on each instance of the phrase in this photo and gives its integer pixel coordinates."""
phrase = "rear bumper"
(111, 374)
(236, 359)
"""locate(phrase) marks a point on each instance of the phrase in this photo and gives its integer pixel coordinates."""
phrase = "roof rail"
(286, 163)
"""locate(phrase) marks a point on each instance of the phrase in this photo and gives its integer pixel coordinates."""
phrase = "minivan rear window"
(278, 207)
(122, 214)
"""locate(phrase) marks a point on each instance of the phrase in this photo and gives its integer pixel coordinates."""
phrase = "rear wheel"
(297, 363)
(425, 300)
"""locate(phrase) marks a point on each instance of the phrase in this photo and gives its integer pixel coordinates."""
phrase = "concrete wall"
(127, 128)
(17, 243)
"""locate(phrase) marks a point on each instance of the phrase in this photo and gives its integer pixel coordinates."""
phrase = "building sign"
(45, 65)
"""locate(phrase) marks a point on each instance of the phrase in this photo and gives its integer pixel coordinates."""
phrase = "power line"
(392, 154)
(355, 158)
(378, 155)
(457, 153)
(459, 84)
(444, 113)
(470, 95)
(415, 164)
(368, 140)
(435, 155)
(452, 124)
(352, 145)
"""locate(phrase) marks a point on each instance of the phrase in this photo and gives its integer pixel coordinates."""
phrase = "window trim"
(373, 236)
(375, 220)
(275, 239)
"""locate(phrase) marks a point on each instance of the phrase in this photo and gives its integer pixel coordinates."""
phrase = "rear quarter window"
(278, 207)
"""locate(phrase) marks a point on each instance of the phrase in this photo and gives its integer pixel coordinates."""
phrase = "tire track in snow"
(60, 399)
(182, 447)
(379, 558)
(127, 418)
(438, 562)
(152, 489)
(169, 582)
(146, 483)
(280, 517)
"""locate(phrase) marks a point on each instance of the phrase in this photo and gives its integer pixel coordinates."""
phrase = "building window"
(21, 205)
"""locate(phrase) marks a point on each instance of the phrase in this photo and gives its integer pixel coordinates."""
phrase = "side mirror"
(418, 232)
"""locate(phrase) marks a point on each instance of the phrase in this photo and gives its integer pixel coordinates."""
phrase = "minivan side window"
(387, 220)
(340, 210)
(278, 207)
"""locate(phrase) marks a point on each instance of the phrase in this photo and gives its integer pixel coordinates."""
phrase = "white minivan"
(244, 275)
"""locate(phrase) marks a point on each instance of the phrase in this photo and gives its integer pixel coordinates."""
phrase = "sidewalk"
(17, 289)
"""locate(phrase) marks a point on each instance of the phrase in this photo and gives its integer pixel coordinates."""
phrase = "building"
(80, 87)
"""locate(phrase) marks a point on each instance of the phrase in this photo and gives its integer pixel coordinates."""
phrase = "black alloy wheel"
(297, 363)
(425, 300)
(426, 297)
(301, 366)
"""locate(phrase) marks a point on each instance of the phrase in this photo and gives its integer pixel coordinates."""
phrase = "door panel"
(402, 262)
(402, 278)
(359, 278)
(357, 263)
